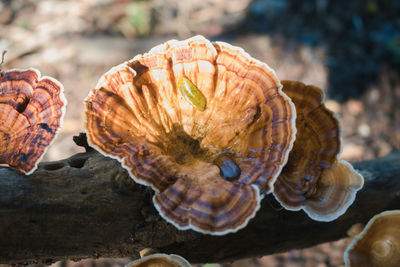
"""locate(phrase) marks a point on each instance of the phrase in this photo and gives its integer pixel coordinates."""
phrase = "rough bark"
(87, 206)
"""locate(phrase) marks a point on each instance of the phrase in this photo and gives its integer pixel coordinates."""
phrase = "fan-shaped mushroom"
(160, 260)
(313, 178)
(204, 124)
(31, 113)
(378, 244)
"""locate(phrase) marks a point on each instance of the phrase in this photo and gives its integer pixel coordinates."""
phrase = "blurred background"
(351, 49)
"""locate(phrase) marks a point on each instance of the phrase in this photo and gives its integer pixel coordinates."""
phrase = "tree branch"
(87, 206)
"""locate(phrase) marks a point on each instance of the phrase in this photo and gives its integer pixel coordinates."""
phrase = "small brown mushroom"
(355, 229)
(313, 178)
(204, 124)
(147, 251)
(378, 244)
(31, 114)
(160, 260)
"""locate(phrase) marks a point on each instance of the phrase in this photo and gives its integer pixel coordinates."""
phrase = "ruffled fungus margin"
(208, 167)
(314, 179)
(32, 111)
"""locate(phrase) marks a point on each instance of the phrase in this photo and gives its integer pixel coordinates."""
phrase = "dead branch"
(87, 206)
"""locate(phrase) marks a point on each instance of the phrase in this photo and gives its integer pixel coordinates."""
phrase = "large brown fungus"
(204, 124)
(314, 179)
(31, 114)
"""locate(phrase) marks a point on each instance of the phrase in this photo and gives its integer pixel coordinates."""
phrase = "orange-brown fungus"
(378, 244)
(209, 146)
(160, 260)
(31, 112)
(313, 178)
(355, 229)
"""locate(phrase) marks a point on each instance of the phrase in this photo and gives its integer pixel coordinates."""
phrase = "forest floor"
(352, 52)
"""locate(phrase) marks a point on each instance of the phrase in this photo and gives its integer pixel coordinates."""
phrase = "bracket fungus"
(31, 113)
(314, 179)
(378, 244)
(204, 124)
(160, 260)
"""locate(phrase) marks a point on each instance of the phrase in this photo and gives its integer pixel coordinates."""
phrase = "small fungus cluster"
(212, 130)
(31, 114)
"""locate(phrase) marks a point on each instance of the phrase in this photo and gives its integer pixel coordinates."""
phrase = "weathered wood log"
(87, 206)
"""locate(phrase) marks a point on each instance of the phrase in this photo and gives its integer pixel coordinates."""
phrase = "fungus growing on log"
(313, 178)
(378, 244)
(160, 260)
(31, 114)
(204, 124)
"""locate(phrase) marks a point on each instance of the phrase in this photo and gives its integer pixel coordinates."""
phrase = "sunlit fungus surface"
(204, 124)
(31, 113)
